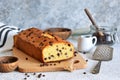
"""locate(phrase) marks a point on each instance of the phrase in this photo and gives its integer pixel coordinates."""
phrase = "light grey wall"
(61, 13)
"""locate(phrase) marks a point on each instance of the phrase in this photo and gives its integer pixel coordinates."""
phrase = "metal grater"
(102, 53)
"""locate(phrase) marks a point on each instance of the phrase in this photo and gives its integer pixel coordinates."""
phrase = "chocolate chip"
(43, 75)
(41, 44)
(34, 73)
(28, 76)
(50, 43)
(51, 64)
(86, 60)
(75, 52)
(84, 72)
(58, 54)
(68, 44)
(57, 49)
(45, 58)
(71, 49)
(33, 41)
(25, 78)
(44, 40)
(31, 37)
(62, 47)
(25, 73)
(52, 55)
(54, 64)
(59, 61)
(60, 51)
(75, 55)
(39, 75)
(26, 58)
(49, 57)
(65, 53)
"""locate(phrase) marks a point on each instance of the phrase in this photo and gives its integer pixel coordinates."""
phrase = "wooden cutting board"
(29, 64)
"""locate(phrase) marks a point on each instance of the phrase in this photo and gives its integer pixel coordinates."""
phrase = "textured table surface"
(110, 70)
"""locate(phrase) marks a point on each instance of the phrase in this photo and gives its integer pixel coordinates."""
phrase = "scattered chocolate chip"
(39, 75)
(25, 78)
(84, 52)
(28, 76)
(76, 61)
(25, 73)
(86, 60)
(84, 72)
(54, 64)
(75, 55)
(75, 52)
(43, 75)
(34, 73)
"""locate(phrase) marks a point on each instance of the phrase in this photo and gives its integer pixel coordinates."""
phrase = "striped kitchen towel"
(6, 36)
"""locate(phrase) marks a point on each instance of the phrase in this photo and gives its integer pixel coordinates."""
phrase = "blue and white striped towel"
(6, 36)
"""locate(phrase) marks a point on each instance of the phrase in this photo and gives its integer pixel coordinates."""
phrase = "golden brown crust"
(32, 41)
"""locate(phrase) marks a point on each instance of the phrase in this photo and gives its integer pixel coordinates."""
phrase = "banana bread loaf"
(43, 46)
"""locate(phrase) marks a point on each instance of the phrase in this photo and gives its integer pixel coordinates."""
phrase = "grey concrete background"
(59, 13)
